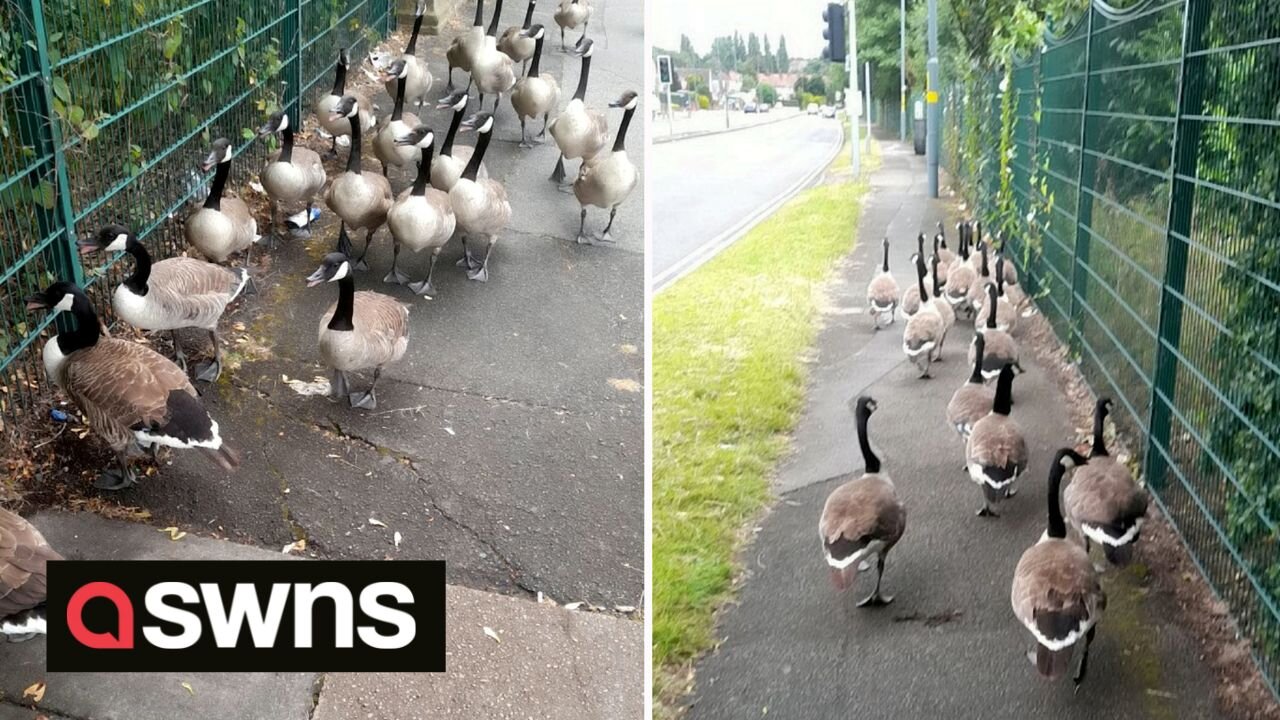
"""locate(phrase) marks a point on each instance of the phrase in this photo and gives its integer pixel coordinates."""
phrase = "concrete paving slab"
(550, 663)
(949, 645)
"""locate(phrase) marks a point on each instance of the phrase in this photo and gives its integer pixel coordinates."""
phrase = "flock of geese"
(138, 400)
(1056, 593)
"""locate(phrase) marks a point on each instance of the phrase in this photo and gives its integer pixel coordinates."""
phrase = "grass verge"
(728, 384)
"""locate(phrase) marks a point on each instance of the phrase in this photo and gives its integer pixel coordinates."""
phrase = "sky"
(704, 20)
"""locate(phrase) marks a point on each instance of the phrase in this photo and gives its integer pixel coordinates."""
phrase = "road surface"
(705, 187)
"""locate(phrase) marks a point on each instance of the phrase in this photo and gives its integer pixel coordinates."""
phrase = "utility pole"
(867, 90)
(902, 68)
(933, 133)
(851, 95)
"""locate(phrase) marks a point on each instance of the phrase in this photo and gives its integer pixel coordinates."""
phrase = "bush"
(766, 94)
(704, 102)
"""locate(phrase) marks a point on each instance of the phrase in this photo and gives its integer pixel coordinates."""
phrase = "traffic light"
(665, 76)
(833, 16)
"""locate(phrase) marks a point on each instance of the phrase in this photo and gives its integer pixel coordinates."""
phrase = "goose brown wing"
(24, 554)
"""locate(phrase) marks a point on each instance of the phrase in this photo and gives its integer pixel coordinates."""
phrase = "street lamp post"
(933, 133)
(852, 96)
(902, 72)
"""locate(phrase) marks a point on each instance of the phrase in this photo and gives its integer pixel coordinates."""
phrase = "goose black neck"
(137, 282)
(986, 269)
(979, 350)
(885, 265)
(619, 143)
(493, 24)
(397, 111)
(411, 48)
(479, 21)
(214, 201)
(868, 455)
(446, 148)
(339, 79)
(924, 294)
(920, 245)
(353, 159)
(286, 144)
(1000, 276)
(1099, 426)
(537, 54)
(581, 92)
(473, 165)
(991, 312)
(85, 333)
(342, 314)
(424, 173)
(1004, 392)
(978, 237)
(937, 287)
(528, 16)
(1057, 528)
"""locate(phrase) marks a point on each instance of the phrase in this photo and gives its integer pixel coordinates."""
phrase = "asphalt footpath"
(509, 441)
(948, 646)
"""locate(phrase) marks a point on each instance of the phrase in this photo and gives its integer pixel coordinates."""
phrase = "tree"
(770, 62)
(784, 60)
(688, 56)
(753, 46)
(748, 82)
(766, 94)
(739, 47)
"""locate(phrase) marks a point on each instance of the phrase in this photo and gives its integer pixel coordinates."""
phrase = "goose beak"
(316, 277)
(37, 302)
(209, 163)
(88, 245)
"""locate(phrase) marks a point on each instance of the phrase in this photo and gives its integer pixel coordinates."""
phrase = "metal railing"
(105, 109)
(1143, 203)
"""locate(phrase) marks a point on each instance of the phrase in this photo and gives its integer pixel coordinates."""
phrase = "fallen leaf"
(450, 431)
(573, 605)
(188, 688)
(629, 349)
(35, 692)
(625, 608)
(396, 538)
(295, 546)
(493, 634)
(174, 533)
(624, 384)
(375, 521)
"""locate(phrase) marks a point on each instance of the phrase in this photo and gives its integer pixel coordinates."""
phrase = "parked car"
(812, 109)
(749, 107)
(764, 107)
(828, 111)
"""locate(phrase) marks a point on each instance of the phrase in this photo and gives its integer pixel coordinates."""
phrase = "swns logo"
(246, 616)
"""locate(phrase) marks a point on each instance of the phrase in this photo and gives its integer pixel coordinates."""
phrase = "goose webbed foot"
(423, 287)
(1083, 668)
(557, 175)
(467, 261)
(209, 372)
(396, 276)
(607, 234)
(986, 511)
(1011, 491)
(118, 479)
(20, 637)
(875, 599)
(480, 274)
(360, 264)
(179, 357)
(364, 401)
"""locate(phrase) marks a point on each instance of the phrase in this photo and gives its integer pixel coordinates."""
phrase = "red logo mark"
(123, 639)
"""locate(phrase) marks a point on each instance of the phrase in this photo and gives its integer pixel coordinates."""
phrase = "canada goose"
(1104, 504)
(882, 293)
(361, 330)
(607, 179)
(360, 198)
(420, 219)
(861, 518)
(491, 70)
(578, 131)
(24, 577)
(535, 94)
(176, 293)
(293, 176)
(1001, 348)
(518, 43)
(1006, 312)
(224, 225)
(130, 394)
(341, 125)
(944, 269)
(416, 77)
(463, 47)
(978, 288)
(942, 250)
(911, 296)
(996, 453)
(480, 205)
(972, 401)
(571, 14)
(924, 331)
(960, 278)
(452, 160)
(940, 304)
(385, 143)
(1056, 594)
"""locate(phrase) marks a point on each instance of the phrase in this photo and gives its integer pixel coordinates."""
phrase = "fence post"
(1080, 253)
(1186, 145)
(42, 132)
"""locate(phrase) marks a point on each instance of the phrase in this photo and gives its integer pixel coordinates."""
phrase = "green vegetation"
(728, 384)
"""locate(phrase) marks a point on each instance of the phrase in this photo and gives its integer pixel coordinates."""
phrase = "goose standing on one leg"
(339, 125)
(294, 175)
(607, 179)
(463, 48)
(491, 70)
(1104, 503)
(578, 131)
(924, 330)
(453, 159)
(24, 578)
(996, 453)
(224, 226)
(480, 206)
(863, 517)
(176, 293)
(131, 395)
(386, 145)
(882, 294)
(518, 43)
(1056, 594)
(361, 330)
(421, 219)
(416, 76)
(360, 198)
(570, 14)
(535, 94)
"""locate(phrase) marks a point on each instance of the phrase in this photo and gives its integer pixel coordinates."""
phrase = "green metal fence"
(105, 109)
(1146, 216)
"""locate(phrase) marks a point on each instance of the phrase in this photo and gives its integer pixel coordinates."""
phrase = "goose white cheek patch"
(64, 303)
(119, 242)
(343, 270)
